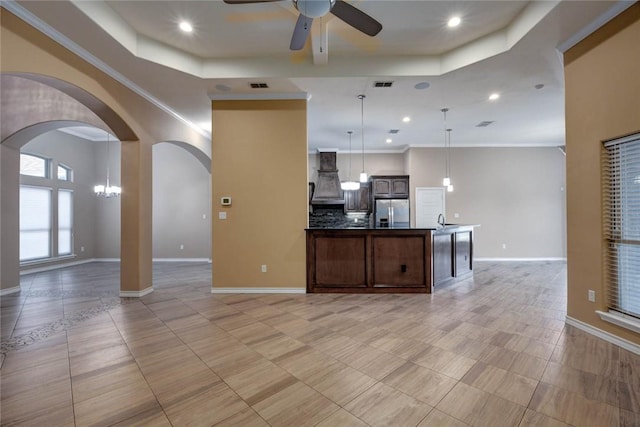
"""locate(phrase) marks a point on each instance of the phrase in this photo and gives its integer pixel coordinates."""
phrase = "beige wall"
(259, 159)
(602, 79)
(515, 194)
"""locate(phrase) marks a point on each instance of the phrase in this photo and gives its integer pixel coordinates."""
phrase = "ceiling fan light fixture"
(314, 8)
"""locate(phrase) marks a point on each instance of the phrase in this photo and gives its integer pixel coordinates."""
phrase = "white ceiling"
(507, 47)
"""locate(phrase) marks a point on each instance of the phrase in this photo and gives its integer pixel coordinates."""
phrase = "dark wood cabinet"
(378, 260)
(390, 187)
(369, 260)
(358, 200)
(399, 261)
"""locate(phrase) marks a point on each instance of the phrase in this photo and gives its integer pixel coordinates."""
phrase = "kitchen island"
(387, 260)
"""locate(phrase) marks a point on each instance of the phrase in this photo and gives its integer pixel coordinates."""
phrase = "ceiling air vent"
(382, 84)
(484, 124)
(259, 85)
(394, 130)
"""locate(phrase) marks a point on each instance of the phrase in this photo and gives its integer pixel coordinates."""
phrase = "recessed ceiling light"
(186, 26)
(422, 85)
(454, 21)
(494, 96)
(406, 119)
(389, 140)
(539, 86)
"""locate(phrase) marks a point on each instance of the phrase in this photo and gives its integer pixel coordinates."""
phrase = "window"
(34, 165)
(622, 224)
(64, 173)
(35, 223)
(65, 222)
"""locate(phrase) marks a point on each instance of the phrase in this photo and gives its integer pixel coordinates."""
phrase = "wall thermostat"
(225, 201)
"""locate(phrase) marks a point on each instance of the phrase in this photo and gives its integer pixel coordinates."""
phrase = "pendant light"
(350, 185)
(446, 181)
(363, 174)
(449, 185)
(107, 191)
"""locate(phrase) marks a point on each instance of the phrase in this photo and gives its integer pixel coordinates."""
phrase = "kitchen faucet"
(441, 220)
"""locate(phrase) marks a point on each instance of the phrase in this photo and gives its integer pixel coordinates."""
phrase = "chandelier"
(107, 190)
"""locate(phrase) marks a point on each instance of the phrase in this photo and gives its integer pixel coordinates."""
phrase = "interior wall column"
(136, 215)
(259, 164)
(9, 219)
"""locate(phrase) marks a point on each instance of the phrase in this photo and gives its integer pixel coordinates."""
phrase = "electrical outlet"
(81, 248)
(222, 215)
(456, 215)
(181, 247)
(591, 295)
(264, 268)
(504, 246)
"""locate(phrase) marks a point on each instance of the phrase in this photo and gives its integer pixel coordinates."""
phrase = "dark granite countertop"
(445, 229)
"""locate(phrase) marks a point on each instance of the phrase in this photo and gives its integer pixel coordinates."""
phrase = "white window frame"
(67, 169)
(47, 166)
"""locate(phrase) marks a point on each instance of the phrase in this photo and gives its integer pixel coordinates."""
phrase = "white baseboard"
(136, 294)
(106, 259)
(258, 290)
(9, 291)
(519, 259)
(607, 336)
(182, 260)
(55, 266)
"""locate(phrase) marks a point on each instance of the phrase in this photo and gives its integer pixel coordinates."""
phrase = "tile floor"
(488, 351)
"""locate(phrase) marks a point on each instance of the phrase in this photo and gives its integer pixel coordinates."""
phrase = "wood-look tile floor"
(489, 351)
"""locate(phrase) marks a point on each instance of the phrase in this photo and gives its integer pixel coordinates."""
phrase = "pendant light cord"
(446, 146)
(108, 157)
(349, 132)
(362, 97)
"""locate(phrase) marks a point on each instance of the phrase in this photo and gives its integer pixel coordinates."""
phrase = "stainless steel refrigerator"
(392, 213)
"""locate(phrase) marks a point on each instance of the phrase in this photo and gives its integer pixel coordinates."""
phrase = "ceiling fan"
(310, 9)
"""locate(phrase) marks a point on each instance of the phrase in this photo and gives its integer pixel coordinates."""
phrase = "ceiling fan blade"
(301, 32)
(248, 1)
(356, 18)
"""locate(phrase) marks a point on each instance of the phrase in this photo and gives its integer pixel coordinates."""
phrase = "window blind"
(621, 196)
(65, 222)
(35, 223)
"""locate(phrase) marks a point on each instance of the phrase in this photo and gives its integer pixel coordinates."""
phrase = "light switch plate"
(222, 215)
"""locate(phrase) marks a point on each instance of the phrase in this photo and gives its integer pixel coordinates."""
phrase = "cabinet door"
(400, 187)
(442, 258)
(463, 252)
(381, 187)
(357, 200)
